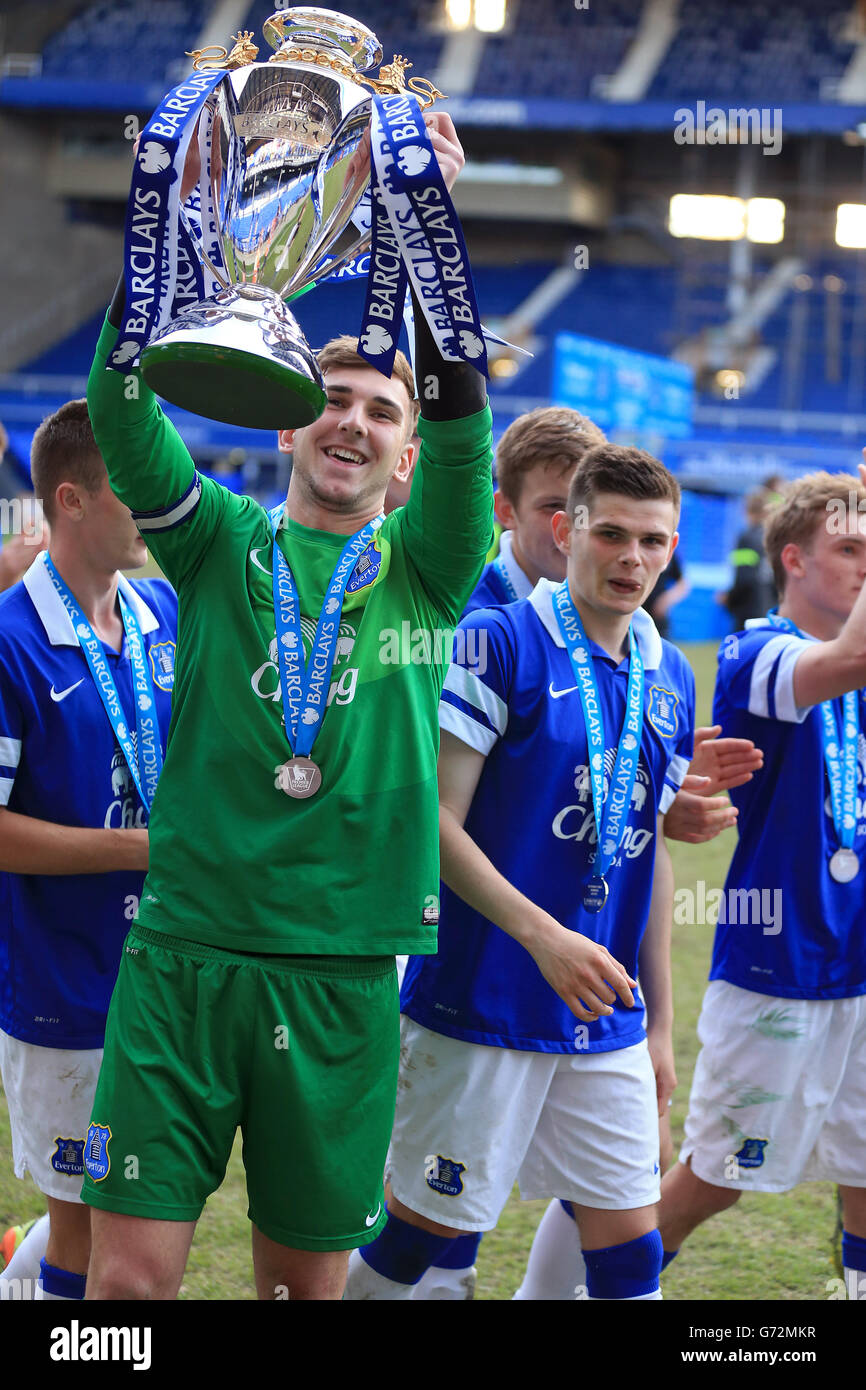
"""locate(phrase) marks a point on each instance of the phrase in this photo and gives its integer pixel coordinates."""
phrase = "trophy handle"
(424, 90)
(204, 59)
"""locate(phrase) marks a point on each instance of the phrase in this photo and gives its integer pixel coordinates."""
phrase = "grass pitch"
(767, 1247)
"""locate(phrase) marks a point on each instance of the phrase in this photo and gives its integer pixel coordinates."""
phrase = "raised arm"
(448, 520)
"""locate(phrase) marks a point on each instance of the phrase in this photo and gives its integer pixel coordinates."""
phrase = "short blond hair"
(552, 436)
(343, 352)
(806, 504)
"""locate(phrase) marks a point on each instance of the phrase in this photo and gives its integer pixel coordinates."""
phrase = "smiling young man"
(779, 1092)
(558, 761)
(75, 638)
(294, 846)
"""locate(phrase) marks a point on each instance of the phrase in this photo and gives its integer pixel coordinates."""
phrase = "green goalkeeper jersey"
(234, 861)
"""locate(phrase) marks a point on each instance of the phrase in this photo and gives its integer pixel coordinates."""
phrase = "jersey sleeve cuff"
(455, 442)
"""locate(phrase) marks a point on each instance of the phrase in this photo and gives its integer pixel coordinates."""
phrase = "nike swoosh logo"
(371, 1220)
(556, 693)
(256, 561)
(57, 696)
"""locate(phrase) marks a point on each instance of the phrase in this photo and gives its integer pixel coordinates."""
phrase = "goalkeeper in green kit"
(257, 985)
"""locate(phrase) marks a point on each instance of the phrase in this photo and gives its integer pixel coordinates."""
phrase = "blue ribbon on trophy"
(157, 237)
(414, 221)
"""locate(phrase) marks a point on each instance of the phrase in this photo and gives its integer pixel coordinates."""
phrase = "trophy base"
(239, 357)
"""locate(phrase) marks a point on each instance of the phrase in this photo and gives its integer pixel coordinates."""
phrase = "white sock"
(27, 1258)
(555, 1267)
(364, 1282)
(855, 1283)
(457, 1285)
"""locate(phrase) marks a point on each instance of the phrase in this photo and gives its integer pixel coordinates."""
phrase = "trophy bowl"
(282, 136)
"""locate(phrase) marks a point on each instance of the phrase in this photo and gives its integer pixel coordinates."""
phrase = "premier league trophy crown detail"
(208, 270)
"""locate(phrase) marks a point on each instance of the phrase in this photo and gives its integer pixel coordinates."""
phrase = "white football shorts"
(49, 1091)
(779, 1092)
(471, 1120)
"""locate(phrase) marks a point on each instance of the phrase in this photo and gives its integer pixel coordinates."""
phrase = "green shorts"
(300, 1051)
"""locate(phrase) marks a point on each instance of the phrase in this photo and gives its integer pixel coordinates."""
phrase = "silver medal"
(299, 777)
(844, 865)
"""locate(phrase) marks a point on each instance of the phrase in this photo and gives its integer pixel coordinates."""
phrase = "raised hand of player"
(443, 138)
(722, 763)
(584, 974)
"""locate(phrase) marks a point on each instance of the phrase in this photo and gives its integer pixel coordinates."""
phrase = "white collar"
(53, 614)
(521, 582)
(648, 640)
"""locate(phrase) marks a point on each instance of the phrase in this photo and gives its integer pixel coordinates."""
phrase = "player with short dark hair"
(563, 743)
(779, 1092)
(86, 672)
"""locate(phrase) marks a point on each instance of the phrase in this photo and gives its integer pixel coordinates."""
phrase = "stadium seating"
(115, 41)
(763, 52)
(560, 52)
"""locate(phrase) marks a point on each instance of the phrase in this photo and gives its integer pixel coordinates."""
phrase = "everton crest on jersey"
(162, 664)
(533, 815)
(366, 568)
(662, 710)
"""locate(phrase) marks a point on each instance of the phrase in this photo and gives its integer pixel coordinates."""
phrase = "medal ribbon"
(842, 778)
(499, 566)
(153, 222)
(305, 690)
(610, 827)
(144, 757)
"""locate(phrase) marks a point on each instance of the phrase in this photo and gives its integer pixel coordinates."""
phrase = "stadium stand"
(765, 53)
(109, 38)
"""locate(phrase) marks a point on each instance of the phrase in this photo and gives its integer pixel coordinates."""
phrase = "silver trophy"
(282, 136)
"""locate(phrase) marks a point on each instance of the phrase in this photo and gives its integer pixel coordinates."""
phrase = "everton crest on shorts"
(97, 1160)
(751, 1155)
(68, 1157)
(444, 1175)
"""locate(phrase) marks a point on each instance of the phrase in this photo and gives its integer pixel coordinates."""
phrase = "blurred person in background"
(671, 589)
(753, 590)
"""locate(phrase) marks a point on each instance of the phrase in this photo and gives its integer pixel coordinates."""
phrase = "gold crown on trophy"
(391, 78)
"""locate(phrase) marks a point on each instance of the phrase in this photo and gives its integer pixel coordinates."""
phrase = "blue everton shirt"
(491, 591)
(799, 935)
(61, 935)
(532, 815)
